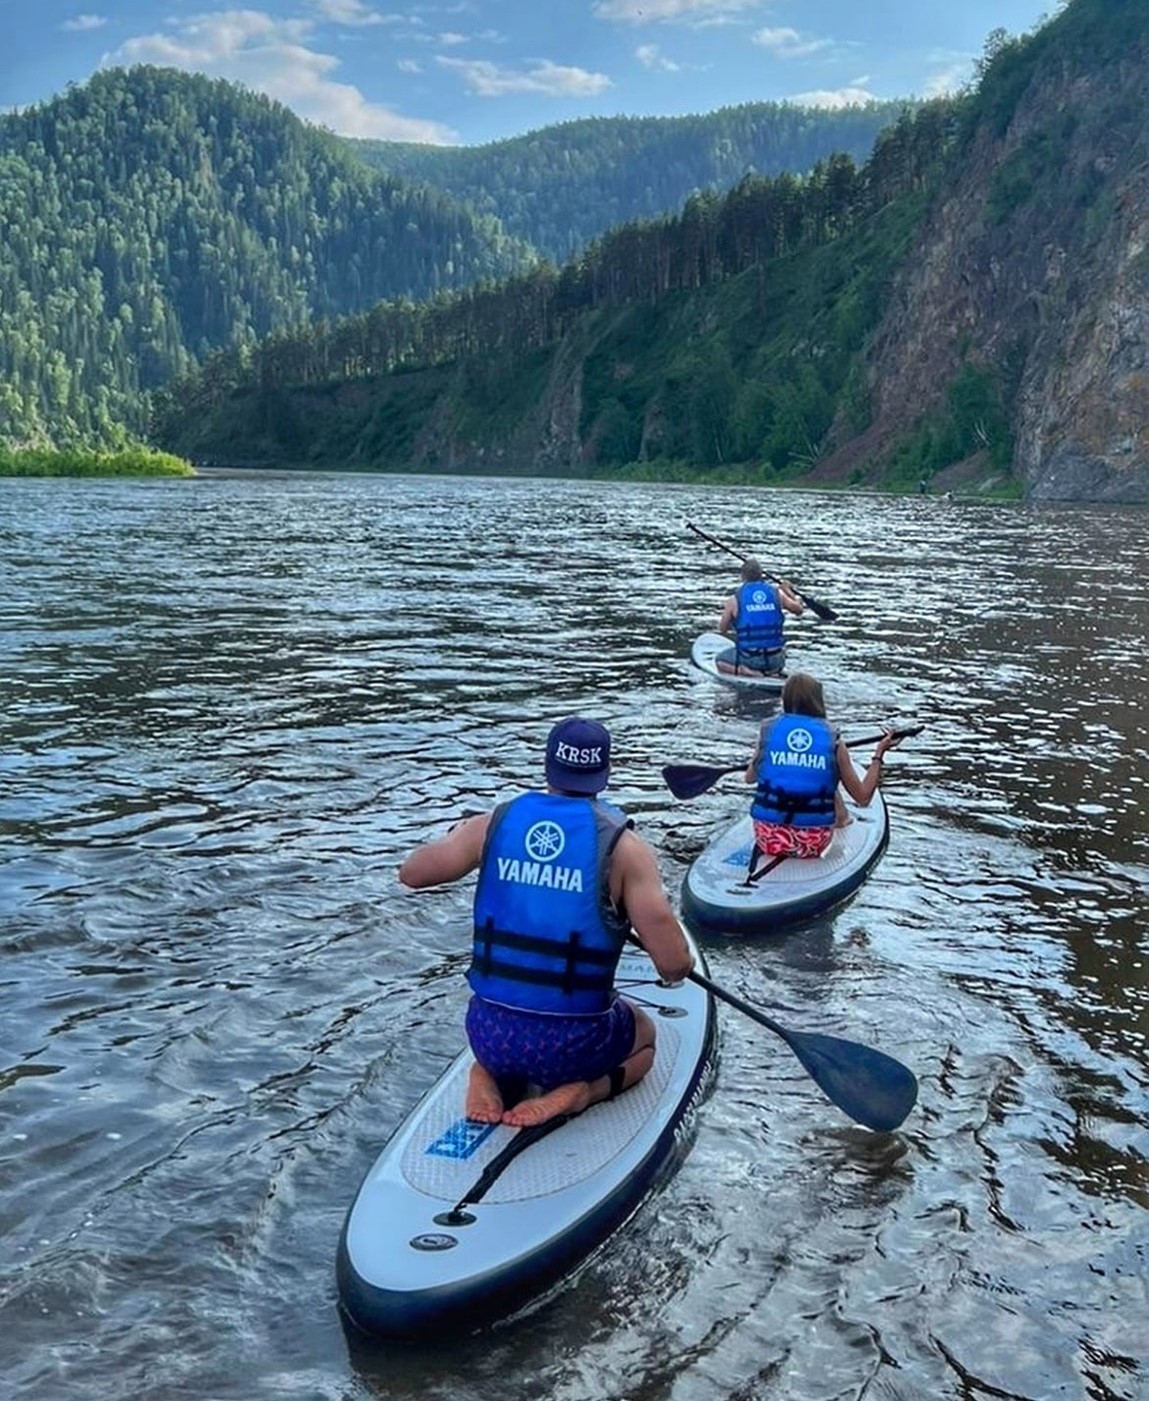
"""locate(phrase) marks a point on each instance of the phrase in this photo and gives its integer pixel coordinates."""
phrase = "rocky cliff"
(1033, 267)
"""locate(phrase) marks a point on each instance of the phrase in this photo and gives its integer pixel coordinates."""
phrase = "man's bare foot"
(564, 1099)
(484, 1102)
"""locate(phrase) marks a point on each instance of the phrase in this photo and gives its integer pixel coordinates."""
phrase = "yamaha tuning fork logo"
(761, 600)
(545, 841)
(799, 741)
(543, 844)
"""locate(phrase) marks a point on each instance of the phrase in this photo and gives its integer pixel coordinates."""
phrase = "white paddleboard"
(409, 1265)
(717, 900)
(710, 645)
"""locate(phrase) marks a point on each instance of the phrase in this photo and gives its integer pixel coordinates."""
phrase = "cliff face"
(1083, 416)
(1034, 267)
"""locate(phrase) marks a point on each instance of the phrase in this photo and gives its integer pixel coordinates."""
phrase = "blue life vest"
(797, 774)
(547, 938)
(758, 621)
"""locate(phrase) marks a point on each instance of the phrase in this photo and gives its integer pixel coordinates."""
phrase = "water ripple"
(230, 706)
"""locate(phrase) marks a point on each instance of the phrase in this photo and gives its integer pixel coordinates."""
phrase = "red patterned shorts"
(776, 839)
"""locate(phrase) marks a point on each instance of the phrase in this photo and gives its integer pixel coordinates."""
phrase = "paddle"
(823, 610)
(871, 1087)
(692, 780)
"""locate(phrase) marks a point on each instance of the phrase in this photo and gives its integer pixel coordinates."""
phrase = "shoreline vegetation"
(954, 484)
(89, 462)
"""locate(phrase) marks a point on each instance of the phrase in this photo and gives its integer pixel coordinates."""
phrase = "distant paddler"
(755, 614)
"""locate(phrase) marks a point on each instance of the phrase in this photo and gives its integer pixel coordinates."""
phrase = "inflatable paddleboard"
(710, 645)
(421, 1255)
(716, 898)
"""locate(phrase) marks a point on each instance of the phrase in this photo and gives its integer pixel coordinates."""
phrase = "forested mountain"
(719, 334)
(562, 186)
(151, 215)
(977, 293)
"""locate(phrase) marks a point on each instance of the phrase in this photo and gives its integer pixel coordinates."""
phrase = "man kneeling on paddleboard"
(562, 879)
(754, 611)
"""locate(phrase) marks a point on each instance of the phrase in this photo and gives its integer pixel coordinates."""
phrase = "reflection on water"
(230, 705)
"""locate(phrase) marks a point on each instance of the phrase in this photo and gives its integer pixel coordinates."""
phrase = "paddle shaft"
(732, 999)
(692, 780)
(823, 610)
(730, 550)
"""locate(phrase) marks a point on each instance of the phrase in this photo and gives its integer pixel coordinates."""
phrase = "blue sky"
(469, 71)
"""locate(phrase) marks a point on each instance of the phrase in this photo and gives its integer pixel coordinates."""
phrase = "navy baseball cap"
(578, 756)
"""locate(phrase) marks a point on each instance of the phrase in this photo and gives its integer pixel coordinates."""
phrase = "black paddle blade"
(690, 780)
(823, 610)
(872, 1088)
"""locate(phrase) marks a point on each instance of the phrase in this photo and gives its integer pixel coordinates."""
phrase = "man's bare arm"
(641, 892)
(447, 858)
(728, 614)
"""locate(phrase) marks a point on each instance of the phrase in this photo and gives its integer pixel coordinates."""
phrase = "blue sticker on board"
(740, 857)
(460, 1140)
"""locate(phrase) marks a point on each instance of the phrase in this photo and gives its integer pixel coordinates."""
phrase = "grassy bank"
(1001, 487)
(80, 462)
(957, 486)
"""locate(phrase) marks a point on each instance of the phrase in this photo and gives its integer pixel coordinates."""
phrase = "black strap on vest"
(770, 795)
(572, 955)
(494, 940)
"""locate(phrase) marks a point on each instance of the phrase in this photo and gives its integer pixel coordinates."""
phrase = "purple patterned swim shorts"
(547, 1049)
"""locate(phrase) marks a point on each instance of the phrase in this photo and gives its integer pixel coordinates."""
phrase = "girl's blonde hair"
(802, 695)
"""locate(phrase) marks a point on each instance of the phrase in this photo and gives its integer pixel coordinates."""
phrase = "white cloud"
(450, 39)
(271, 56)
(650, 57)
(654, 11)
(835, 98)
(409, 65)
(949, 80)
(82, 23)
(353, 13)
(788, 43)
(551, 79)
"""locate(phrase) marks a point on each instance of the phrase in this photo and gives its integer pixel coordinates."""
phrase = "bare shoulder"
(633, 858)
(632, 847)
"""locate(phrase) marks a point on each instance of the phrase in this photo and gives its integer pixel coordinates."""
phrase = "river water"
(229, 706)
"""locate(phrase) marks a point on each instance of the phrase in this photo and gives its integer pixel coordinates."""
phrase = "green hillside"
(562, 186)
(724, 333)
(151, 215)
(968, 306)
